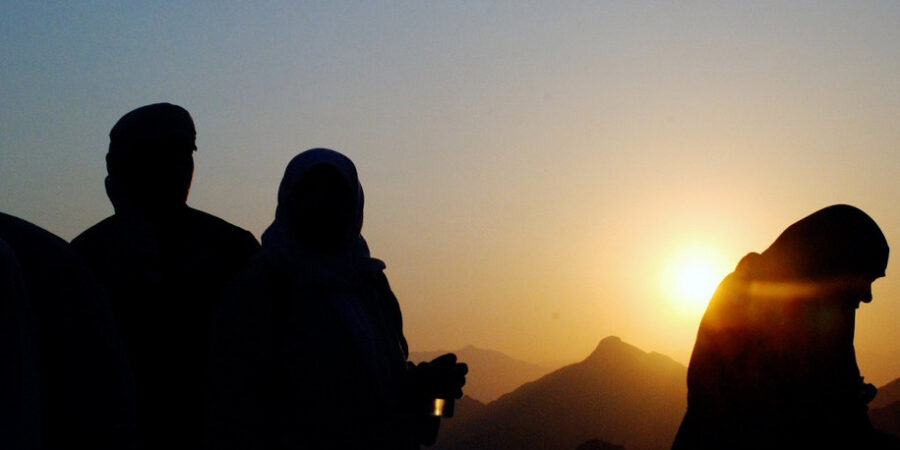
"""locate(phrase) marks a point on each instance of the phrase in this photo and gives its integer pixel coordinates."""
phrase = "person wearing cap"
(164, 266)
(774, 365)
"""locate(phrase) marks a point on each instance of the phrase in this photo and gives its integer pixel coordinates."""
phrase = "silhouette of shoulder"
(94, 235)
(45, 256)
(216, 229)
(31, 242)
(203, 228)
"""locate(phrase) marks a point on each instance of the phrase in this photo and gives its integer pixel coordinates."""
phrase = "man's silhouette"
(308, 348)
(774, 364)
(74, 389)
(164, 265)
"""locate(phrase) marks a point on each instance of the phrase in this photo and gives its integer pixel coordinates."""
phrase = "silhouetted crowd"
(164, 327)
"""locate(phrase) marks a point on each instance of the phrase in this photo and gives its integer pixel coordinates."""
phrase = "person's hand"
(443, 377)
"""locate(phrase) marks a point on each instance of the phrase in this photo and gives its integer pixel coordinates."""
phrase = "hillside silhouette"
(887, 394)
(491, 373)
(618, 394)
(887, 418)
(884, 411)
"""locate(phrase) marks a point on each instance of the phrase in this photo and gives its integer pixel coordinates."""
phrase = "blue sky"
(529, 166)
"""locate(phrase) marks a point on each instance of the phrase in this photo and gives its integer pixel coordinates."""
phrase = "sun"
(695, 281)
(690, 277)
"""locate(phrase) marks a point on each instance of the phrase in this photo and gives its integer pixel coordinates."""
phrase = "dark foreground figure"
(308, 348)
(63, 376)
(20, 408)
(165, 266)
(774, 365)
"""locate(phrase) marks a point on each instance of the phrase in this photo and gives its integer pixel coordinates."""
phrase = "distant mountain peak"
(619, 394)
(609, 345)
(615, 351)
(609, 340)
(491, 373)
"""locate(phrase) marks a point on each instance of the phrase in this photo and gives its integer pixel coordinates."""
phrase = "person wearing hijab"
(164, 266)
(773, 365)
(73, 385)
(308, 348)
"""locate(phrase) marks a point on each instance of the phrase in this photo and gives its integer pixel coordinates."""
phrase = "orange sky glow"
(537, 175)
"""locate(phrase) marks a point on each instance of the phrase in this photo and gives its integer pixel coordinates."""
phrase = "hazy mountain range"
(618, 396)
(884, 411)
(887, 394)
(492, 373)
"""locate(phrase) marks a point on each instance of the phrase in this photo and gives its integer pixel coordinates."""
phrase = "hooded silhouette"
(774, 364)
(164, 265)
(72, 387)
(308, 349)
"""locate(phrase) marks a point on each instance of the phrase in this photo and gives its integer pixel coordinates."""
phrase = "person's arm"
(441, 378)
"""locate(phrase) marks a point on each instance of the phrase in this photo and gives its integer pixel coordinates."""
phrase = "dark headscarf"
(346, 263)
(774, 364)
(834, 241)
(826, 250)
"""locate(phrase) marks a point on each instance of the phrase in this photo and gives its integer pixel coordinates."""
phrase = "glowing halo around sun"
(690, 277)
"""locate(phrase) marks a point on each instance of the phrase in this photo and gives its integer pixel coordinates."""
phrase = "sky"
(533, 170)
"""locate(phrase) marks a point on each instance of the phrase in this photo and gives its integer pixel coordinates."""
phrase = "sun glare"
(690, 278)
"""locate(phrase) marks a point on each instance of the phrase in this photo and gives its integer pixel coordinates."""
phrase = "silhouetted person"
(308, 348)
(164, 265)
(20, 409)
(54, 307)
(774, 364)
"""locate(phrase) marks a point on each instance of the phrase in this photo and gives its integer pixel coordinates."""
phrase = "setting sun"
(690, 277)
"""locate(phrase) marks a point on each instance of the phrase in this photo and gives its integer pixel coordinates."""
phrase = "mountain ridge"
(619, 393)
(491, 373)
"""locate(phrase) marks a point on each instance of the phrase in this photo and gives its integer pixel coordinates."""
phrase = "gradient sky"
(530, 168)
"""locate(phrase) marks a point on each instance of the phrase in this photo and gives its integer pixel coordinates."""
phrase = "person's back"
(86, 392)
(164, 266)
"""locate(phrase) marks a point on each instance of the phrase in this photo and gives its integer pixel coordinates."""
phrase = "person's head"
(150, 160)
(321, 201)
(838, 248)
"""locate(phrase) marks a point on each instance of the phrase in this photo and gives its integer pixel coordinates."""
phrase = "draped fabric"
(308, 349)
(342, 266)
